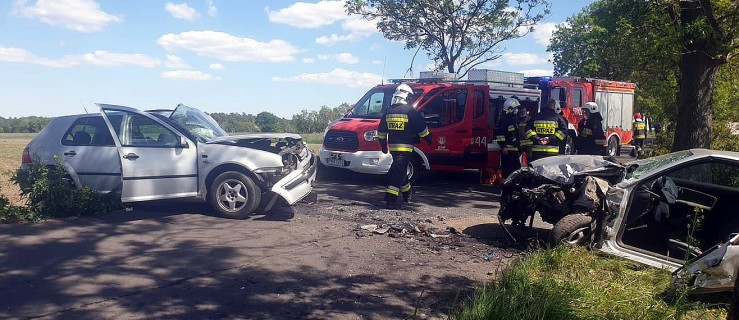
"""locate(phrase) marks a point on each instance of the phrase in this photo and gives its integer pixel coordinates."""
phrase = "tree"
(269, 122)
(708, 30)
(456, 34)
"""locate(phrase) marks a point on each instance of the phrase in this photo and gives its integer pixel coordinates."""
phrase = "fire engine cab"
(461, 117)
(614, 98)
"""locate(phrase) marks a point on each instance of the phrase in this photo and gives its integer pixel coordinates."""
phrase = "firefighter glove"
(428, 138)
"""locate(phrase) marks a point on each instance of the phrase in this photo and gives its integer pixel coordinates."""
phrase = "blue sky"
(58, 56)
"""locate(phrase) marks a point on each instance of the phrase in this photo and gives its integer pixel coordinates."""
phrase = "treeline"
(304, 122)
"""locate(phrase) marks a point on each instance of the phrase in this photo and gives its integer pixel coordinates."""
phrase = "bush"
(50, 192)
(12, 214)
(721, 139)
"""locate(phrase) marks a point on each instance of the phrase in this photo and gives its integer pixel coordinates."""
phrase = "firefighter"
(525, 144)
(591, 137)
(558, 111)
(640, 133)
(507, 138)
(547, 130)
(400, 127)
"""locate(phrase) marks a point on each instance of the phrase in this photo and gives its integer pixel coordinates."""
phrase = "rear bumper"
(299, 183)
(371, 162)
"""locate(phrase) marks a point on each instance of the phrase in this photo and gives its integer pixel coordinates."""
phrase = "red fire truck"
(614, 98)
(461, 117)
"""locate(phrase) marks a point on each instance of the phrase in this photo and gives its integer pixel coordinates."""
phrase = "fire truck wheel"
(572, 229)
(613, 147)
(414, 168)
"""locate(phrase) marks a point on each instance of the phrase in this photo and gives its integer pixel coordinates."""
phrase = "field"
(11, 149)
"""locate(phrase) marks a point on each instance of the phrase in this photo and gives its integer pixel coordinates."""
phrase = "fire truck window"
(445, 109)
(496, 109)
(577, 98)
(479, 103)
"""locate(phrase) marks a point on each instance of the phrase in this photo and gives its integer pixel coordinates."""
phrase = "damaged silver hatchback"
(677, 211)
(180, 153)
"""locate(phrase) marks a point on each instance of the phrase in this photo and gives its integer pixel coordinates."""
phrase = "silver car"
(180, 153)
(677, 211)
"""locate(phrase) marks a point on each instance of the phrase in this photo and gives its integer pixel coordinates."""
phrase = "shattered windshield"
(198, 124)
(653, 163)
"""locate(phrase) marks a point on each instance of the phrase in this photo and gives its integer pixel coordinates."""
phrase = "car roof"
(720, 153)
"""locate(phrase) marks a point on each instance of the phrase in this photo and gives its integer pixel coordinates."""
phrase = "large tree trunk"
(698, 69)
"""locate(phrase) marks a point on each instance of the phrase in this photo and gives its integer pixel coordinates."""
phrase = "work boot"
(392, 205)
(407, 196)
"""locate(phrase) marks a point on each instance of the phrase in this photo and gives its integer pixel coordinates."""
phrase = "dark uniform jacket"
(592, 139)
(507, 135)
(640, 129)
(547, 124)
(400, 127)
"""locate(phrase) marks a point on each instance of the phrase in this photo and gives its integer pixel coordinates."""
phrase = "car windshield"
(655, 163)
(374, 103)
(198, 124)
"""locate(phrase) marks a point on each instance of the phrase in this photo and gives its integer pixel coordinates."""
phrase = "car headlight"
(273, 170)
(370, 135)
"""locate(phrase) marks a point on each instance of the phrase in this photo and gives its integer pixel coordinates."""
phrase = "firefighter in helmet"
(522, 120)
(507, 138)
(563, 145)
(547, 130)
(401, 126)
(640, 133)
(591, 136)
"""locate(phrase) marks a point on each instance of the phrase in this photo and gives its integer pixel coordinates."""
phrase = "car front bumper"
(299, 183)
(371, 162)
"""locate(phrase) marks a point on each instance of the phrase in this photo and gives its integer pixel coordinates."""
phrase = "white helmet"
(592, 107)
(510, 105)
(401, 93)
(557, 107)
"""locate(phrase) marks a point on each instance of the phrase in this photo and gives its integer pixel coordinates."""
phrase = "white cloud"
(223, 46)
(18, 55)
(537, 72)
(188, 75)
(309, 15)
(346, 57)
(359, 26)
(78, 15)
(334, 38)
(104, 58)
(342, 77)
(376, 61)
(175, 62)
(518, 59)
(181, 11)
(324, 57)
(217, 66)
(543, 33)
(212, 10)
(308, 60)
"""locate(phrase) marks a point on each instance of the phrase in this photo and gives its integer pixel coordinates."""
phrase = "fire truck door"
(449, 118)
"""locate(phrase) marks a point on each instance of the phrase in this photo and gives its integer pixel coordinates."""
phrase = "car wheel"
(414, 168)
(613, 146)
(234, 195)
(572, 229)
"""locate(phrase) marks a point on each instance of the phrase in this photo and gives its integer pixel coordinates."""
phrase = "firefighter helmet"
(637, 116)
(510, 105)
(592, 107)
(401, 93)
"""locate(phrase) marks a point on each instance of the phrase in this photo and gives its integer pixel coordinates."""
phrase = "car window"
(446, 108)
(712, 173)
(140, 131)
(88, 131)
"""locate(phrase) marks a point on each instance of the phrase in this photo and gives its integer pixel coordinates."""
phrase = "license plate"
(335, 160)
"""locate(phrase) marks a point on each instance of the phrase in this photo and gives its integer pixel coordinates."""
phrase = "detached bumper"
(299, 183)
(371, 162)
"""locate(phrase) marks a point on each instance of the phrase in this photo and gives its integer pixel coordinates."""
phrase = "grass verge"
(573, 283)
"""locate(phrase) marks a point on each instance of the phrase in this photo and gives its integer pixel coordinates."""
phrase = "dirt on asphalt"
(338, 256)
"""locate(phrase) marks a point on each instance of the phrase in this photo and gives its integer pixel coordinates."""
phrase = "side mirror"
(182, 142)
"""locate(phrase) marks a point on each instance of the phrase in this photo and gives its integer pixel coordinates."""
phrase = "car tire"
(413, 170)
(613, 146)
(572, 229)
(234, 195)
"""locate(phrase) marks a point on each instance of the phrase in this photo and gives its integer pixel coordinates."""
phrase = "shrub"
(721, 139)
(50, 192)
(12, 214)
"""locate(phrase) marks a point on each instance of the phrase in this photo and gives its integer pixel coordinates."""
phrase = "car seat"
(81, 138)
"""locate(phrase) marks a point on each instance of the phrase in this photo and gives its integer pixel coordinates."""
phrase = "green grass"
(573, 283)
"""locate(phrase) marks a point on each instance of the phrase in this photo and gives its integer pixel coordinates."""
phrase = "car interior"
(682, 213)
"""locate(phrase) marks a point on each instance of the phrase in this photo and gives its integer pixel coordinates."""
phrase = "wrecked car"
(180, 153)
(676, 211)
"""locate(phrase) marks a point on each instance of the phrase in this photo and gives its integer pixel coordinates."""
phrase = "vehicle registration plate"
(335, 160)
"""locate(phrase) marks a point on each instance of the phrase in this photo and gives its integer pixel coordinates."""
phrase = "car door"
(90, 154)
(154, 162)
(449, 120)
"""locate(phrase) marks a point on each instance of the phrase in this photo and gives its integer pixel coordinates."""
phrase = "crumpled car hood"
(563, 169)
(256, 136)
(277, 143)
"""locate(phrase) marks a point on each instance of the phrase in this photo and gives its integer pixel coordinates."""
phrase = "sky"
(60, 57)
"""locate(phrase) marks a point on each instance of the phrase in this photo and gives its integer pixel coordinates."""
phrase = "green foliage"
(268, 122)
(23, 125)
(50, 193)
(11, 214)
(316, 121)
(569, 282)
(236, 122)
(456, 34)
(721, 139)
